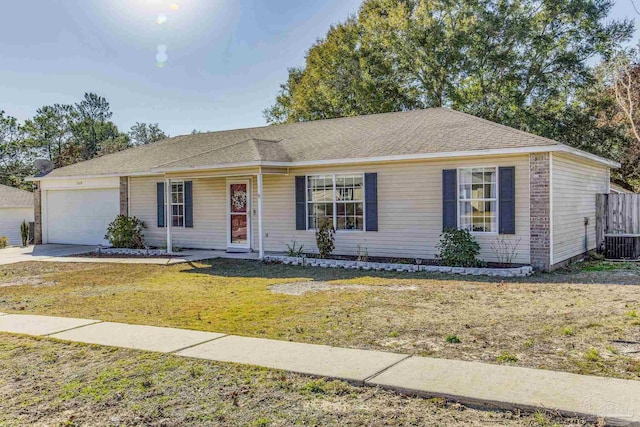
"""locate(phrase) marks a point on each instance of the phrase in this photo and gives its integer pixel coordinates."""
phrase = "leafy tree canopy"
(143, 133)
(523, 63)
(65, 134)
(501, 60)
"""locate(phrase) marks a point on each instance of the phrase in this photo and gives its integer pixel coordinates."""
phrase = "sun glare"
(156, 24)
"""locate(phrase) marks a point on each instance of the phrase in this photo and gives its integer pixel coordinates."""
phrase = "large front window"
(177, 204)
(339, 198)
(477, 199)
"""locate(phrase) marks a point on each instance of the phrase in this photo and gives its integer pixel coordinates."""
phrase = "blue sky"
(224, 61)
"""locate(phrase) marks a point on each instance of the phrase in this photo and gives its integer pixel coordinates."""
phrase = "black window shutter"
(507, 200)
(371, 201)
(301, 201)
(160, 199)
(188, 204)
(449, 198)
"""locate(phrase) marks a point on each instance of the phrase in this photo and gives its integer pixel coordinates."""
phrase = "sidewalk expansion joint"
(72, 329)
(370, 377)
(196, 344)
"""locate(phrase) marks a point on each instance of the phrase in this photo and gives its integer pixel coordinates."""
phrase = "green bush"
(458, 248)
(4, 242)
(453, 339)
(325, 237)
(24, 233)
(126, 232)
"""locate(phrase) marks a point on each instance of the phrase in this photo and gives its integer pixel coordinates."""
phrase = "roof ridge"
(501, 126)
(214, 149)
(302, 122)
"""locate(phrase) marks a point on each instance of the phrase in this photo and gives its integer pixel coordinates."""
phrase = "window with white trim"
(177, 204)
(477, 200)
(339, 197)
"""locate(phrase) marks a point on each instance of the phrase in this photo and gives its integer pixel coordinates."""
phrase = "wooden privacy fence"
(617, 214)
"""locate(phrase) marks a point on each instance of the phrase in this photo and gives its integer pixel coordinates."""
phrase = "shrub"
(4, 242)
(294, 250)
(505, 249)
(325, 237)
(126, 232)
(363, 253)
(453, 339)
(24, 233)
(458, 248)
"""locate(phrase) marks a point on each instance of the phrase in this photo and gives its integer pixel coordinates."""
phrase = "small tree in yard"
(126, 232)
(325, 237)
(458, 248)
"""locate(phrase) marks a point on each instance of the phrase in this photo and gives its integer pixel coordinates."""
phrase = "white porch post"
(260, 231)
(167, 219)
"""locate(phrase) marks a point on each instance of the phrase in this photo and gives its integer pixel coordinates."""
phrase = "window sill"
(341, 231)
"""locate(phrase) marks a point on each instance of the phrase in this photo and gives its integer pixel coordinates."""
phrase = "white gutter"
(397, 158)
(404, 157)
(107, 175)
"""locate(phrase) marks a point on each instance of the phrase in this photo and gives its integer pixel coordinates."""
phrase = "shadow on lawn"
(576, 274)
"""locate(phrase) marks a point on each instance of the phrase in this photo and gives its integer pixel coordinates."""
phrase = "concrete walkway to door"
(495, 386)
(64, 253)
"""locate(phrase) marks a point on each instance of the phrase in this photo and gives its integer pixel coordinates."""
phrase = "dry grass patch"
(550, 321)
(46, 382)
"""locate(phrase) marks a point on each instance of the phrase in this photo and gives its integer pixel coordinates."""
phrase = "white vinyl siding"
(10, 220)
(209, 213)
(409, 209)
(575, 184)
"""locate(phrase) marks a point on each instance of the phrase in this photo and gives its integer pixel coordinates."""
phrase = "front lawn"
(46, 382)
(571, 320)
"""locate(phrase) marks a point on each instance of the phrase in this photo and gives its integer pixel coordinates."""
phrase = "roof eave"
(395, 158)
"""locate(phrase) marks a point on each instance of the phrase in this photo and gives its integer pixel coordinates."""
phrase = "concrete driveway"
(13, 255)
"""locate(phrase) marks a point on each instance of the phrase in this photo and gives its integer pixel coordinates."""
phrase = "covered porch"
(218, 209)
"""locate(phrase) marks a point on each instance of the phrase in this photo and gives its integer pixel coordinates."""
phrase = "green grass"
(102, 386)
(608, 266)
(548, 321)
(506, 357)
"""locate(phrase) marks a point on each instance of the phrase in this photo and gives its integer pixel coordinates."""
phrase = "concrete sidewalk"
(495, 386)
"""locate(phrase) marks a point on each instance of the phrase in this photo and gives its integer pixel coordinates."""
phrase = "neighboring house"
(15, 206)
(390, 182)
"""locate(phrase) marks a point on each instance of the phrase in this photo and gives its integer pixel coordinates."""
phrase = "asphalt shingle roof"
(434, 130)
(11, 197)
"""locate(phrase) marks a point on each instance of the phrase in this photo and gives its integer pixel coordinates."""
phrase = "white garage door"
(81, 216)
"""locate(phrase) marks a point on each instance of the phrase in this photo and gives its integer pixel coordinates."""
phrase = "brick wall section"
(37, 214)
(124, 196)
(540, 206)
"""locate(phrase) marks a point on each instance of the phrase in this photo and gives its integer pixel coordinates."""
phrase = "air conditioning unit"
(622, 246)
